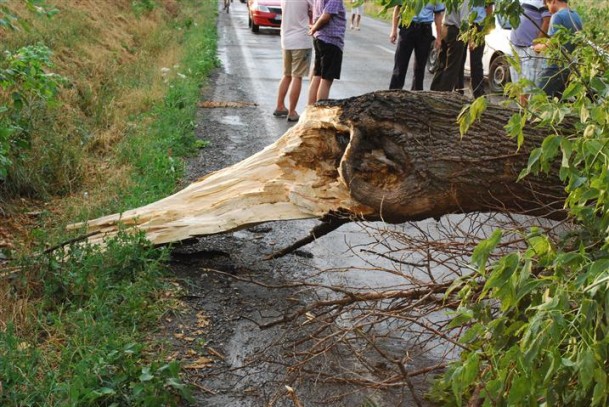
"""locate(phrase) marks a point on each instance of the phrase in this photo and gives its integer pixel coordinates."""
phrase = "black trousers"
(416, 37)
(476, 70)
(449, 75)
(553, 80)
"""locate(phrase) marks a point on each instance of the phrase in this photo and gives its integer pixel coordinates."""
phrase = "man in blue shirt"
(553, 79)
(416, 36)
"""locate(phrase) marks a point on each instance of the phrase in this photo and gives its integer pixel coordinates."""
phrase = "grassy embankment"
(76, 330)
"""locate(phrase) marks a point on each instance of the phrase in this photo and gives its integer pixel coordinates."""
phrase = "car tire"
(432, 59)
(255, 27)
(498, 74)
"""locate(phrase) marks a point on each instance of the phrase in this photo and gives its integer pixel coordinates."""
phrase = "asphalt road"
(246, 366)
(367, 60)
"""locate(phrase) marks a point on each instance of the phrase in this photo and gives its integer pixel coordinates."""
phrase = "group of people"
(540, 18)
(325, 21)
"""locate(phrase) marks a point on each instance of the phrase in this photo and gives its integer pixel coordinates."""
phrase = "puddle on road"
(223, 57)
(232, 120)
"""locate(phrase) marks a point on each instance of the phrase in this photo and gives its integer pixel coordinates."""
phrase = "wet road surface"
(228, 357)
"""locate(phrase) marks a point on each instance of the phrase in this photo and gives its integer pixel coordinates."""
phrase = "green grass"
(158, 147)
(87, 336)
(87, 343)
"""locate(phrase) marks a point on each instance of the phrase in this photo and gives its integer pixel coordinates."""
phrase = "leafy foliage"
(94, 308)
(537, 320)
(26, 86)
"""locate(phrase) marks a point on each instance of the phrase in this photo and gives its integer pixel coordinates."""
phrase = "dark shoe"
(293, 118)
(280, 113)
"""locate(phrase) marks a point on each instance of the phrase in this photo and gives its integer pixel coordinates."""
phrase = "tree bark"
(391, 155)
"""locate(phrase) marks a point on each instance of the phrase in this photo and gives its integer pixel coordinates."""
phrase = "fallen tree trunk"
(391, 155)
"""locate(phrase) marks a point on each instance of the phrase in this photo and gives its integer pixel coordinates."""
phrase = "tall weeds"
(74, 325)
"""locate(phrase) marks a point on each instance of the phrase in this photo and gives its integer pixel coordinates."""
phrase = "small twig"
(329, 224)
(215, 353)
(203, 388)
(294, 397)
(68, 242)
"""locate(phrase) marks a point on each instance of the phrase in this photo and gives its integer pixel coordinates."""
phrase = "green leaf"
(574, 89)
(532, 166)
(518, 391)
(585, 367)
(540, 245)
(503, 270)
(549, 149)
(484, 249)
(515, 126)
(599, 396)
(471, 369)
(461, 317)
(146, 375)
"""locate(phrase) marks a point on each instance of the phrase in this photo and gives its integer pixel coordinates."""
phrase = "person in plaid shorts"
(534, 24)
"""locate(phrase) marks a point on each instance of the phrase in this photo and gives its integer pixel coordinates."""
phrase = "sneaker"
(280, 113)
(293, 118)
(351, 27)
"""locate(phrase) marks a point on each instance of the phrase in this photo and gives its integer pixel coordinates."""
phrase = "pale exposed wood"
(391, 155)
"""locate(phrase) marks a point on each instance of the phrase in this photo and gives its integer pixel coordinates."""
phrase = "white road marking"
(391, 51)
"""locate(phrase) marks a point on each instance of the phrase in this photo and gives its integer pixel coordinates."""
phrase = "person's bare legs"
(324, 89)
(284, 85)
(313, 89)
(358, 18)
(294, 95)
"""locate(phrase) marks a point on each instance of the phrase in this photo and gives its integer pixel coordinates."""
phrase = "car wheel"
(432, 59)
(255, 27)
(498, 74)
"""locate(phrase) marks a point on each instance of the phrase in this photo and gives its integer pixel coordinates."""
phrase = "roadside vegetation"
(530, 317)
(98, 103)
(98, 106)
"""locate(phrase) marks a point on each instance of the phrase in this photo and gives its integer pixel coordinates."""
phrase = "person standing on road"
(296, 49)
(553, 78)
(328, 31)
(356, 13)
(448, 76)
(476, 52)
(416, 36)
(534, 24)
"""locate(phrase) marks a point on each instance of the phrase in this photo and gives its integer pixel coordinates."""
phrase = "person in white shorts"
(296, 45)
(356, 14)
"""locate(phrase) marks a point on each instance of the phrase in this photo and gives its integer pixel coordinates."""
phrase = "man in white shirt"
(297, 48)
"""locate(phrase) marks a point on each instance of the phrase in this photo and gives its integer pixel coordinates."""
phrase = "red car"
(264, 13)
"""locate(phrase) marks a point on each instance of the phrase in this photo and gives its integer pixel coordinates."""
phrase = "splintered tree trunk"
(391, 155)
